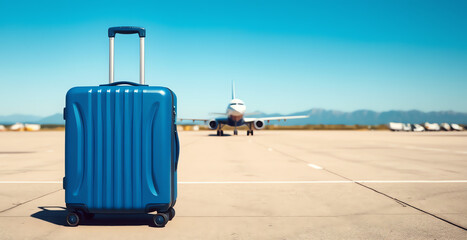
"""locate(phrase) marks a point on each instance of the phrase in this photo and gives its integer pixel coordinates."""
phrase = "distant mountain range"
(317, 116)
(368, 117)
(53, 119)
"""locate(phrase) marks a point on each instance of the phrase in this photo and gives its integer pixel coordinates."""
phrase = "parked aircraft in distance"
(235, 117)
(456, 127)
(17, 127)
(24, 127)
(32, 127)
(432, 126)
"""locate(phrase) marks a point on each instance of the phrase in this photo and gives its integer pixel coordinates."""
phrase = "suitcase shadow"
(57, 215)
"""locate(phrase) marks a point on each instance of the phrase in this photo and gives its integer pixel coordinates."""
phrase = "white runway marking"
(315, 166)
(275, 182)
(337, 181)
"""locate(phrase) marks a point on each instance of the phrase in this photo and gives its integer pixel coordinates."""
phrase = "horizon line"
(261, 112)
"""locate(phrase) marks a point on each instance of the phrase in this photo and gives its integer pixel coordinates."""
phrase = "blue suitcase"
(121, 147)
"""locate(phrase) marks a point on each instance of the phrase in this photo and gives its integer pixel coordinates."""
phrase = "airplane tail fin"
(233, 90)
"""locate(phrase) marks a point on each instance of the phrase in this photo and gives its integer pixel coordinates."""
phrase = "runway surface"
(274, 185)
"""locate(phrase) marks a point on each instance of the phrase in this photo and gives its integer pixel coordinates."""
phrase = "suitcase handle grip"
(123, 82)
(127, 30)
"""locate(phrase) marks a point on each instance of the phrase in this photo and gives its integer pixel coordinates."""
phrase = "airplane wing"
(217, 113)
(194, 119)
(267, 119)
(222, 120)
(252, 113)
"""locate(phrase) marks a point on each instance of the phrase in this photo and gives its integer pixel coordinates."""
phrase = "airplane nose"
(238, 109)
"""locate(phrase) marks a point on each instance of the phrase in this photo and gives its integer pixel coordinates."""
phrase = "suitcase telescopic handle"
(126, 30)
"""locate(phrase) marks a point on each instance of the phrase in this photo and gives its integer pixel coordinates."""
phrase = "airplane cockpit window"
(240, 103)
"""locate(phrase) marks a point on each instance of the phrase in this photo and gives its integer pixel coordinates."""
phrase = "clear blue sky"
(285, 56)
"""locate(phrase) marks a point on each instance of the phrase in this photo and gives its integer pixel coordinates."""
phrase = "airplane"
(235, 117)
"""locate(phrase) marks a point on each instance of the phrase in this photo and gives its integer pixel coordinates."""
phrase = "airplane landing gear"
(249, 131)
(219, 131)
(235, 129)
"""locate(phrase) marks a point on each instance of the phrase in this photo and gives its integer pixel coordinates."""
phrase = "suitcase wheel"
(73, 219)
(161, 219)
(171, 213)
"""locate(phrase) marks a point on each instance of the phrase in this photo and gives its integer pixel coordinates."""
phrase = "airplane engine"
(258, 124)
(213, 124)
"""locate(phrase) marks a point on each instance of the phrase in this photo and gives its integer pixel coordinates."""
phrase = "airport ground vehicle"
(456, 127)
(432, 126)
(418, 128)
(121, 147)
(446, 127)
(394, 126)
(407, 127)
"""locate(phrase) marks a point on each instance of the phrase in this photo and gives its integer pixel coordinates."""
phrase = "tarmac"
(274, 185)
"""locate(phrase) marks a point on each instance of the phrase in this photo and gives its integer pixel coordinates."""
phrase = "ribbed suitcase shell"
(120, 149)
